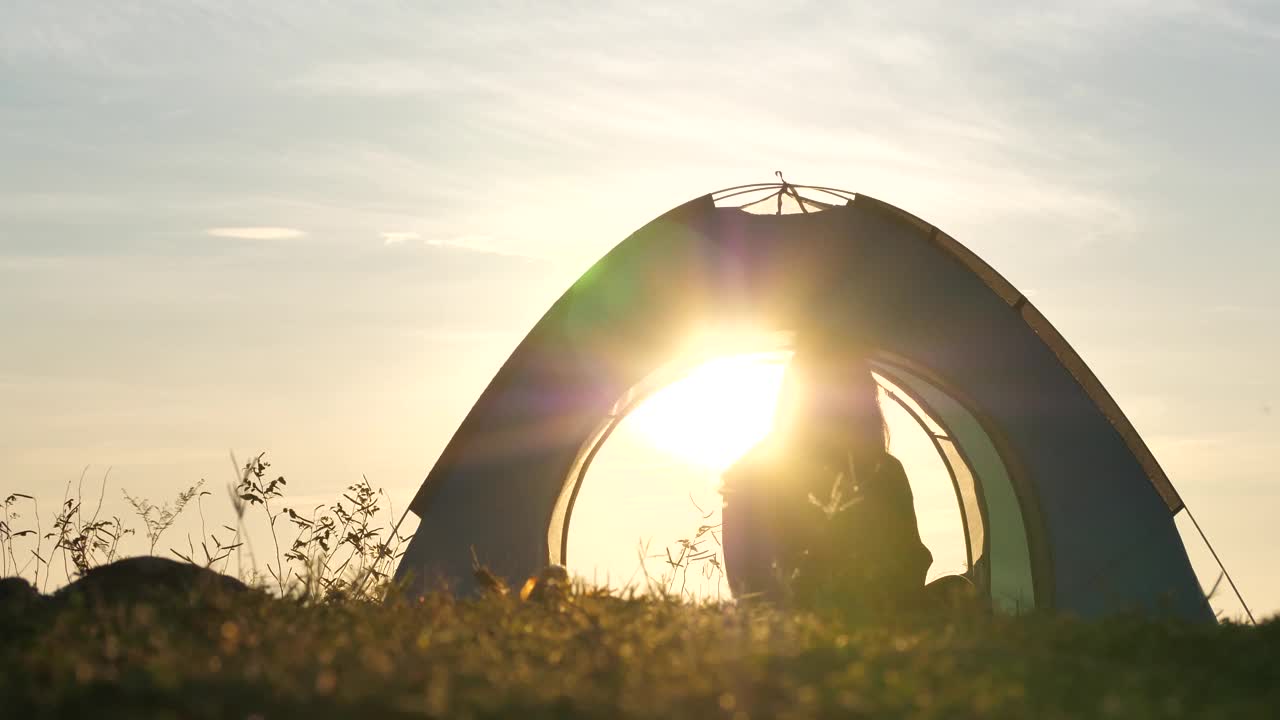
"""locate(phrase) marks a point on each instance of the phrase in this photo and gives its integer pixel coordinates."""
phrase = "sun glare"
(656, 480)
(716, 413)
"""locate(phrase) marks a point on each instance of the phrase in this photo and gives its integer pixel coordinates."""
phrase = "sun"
(716, 413)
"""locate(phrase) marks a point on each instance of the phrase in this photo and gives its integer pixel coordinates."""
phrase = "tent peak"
(781, 198)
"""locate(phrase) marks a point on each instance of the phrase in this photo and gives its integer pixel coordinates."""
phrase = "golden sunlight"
(716, 413)
(656, 480)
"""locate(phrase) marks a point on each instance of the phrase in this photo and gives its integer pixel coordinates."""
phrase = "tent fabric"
(1066, 355)
(1075, 512)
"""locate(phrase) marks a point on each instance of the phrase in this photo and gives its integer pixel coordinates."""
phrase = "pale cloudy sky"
(317, 228)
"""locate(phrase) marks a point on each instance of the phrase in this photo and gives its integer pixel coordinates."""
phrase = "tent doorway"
(646, 515)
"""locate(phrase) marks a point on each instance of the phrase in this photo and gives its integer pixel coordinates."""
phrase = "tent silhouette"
(1062, 503)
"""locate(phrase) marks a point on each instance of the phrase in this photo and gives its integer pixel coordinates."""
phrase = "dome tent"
(1062, 504)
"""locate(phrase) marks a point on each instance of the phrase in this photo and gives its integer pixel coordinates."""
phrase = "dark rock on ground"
(140, 578)
(16, 594)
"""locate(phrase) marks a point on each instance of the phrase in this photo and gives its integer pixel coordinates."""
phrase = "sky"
(316, 229)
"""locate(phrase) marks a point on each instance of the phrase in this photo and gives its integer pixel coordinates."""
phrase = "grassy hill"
(318, 645)
(255, 656)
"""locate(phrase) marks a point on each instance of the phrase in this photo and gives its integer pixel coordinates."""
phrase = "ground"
(252, 655)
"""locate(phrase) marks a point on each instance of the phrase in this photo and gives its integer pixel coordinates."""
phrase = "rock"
(148, 577)
(18, 595)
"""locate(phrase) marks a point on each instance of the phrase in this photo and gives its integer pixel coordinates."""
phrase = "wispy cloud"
(398, 237)
(256, 233)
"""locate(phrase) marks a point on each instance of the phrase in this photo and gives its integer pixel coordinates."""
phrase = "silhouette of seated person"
(820, 506)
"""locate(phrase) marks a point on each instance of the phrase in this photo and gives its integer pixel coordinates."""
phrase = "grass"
(320, 640)
(602, 656)
(346, 549)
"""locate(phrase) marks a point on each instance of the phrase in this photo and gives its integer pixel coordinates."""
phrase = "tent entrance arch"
(1016, 401)
(996, 551)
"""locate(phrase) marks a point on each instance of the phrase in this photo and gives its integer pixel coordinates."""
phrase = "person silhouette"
(820, 505)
